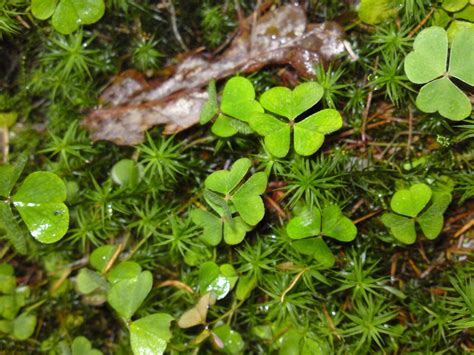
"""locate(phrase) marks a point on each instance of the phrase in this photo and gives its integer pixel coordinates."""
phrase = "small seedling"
(126, 287)
(310, 225)
(287, 104)
(39, 201)
(407, 204)
(127, 173)
(228, 196)
(68, 15)
(237, 105)
(428, 64)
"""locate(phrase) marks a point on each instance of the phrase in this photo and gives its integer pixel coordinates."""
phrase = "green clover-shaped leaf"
(24, 326)
(330, 223)
(312, 223)
(431, 221)
(428, 64)
(306, 224)
(211, 225)
(238, 99)
(454, 5)
(408, 204)
(151, 334)
(336, 225)
(230, 341)
(224, 181)
(317, 248)
(101, 256)
(292, 103)
(227, 195)
(88, 281)
(308, 133)
(82, 346)
(247, 200)
(68, 15)
(402, 228)
(237, 105)
(219, 280)
(127, 295)
(126, 173)
(39, 200)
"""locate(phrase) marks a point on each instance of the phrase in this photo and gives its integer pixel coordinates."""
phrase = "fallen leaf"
(131, 105)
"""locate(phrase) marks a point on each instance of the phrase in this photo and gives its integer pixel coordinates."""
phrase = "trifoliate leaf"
(126, 296)
(151, 334)
(410, 202)
(427, 64)
(39, 200)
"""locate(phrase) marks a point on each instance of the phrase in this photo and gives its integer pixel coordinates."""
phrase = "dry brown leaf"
(131, 105)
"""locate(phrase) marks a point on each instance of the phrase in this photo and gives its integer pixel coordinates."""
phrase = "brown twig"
(421, 24)
(365, 114)
(174, 25)
(177, 284)
(464, 228)
(410, 131)
(367, 216)
(5, 144)
(292, 284)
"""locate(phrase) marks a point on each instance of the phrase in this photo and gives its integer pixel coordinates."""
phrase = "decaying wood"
(131, 105)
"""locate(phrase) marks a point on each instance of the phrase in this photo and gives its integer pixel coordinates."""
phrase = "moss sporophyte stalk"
(236, 177)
